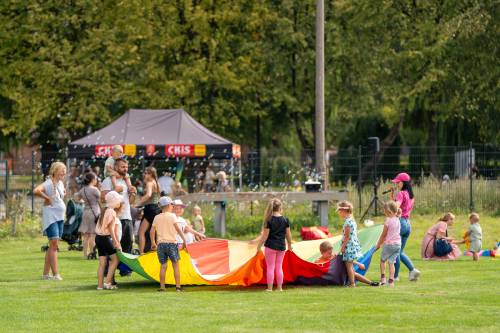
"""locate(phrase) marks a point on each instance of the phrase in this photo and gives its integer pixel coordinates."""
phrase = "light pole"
(319, 126)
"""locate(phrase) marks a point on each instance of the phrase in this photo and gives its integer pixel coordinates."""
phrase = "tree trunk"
(384, 145)
(432, 147)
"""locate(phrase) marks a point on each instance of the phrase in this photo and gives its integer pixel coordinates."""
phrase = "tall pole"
(320, 93)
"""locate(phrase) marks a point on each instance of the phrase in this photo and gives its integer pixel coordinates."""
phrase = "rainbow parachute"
(231, 262)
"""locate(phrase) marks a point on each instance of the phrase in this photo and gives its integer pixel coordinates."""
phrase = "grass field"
(460, 296)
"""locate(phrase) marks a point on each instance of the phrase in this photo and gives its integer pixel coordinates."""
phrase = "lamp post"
(320, 94)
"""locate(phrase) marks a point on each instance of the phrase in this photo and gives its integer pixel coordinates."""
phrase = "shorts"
(166, 251)
(104, 245)
(390, 252)
(475, 246)
(150, 211)
(55, 230)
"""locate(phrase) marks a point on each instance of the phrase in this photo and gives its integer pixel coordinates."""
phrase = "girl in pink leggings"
(276, 229)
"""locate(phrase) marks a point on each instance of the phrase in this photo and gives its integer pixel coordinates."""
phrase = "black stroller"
(74, 212)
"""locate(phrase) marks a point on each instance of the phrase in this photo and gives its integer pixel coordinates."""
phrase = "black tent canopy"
(155, 134)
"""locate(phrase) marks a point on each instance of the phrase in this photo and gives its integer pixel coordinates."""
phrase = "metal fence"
(459, 178)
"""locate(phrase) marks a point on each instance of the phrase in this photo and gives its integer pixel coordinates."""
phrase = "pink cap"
(402, 177)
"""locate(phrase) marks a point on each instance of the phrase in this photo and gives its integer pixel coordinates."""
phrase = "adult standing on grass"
(90, 195)
(54, 209)
(405, 199)
(121, 168)
(150, 202)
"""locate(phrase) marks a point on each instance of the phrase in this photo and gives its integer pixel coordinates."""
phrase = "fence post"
(6, 177)
(33, 182)
(471, 166)
(359, 179)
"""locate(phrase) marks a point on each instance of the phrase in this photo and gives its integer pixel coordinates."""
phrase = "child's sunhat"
(178, 202)
(113, 199)
(402, 177)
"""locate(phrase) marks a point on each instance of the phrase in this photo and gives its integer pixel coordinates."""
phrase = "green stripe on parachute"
(131, 261)
(368, 237)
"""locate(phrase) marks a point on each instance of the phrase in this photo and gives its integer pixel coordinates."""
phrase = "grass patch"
(460, 296)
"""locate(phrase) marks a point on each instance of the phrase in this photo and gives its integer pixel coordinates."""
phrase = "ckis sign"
(185, 150)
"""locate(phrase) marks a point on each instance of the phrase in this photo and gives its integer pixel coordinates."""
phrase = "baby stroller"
(74, 212)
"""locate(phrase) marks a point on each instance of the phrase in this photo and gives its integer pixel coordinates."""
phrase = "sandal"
(179, 289)
(161, 289)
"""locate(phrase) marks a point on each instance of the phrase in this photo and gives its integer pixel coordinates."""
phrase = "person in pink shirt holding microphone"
(405, 200)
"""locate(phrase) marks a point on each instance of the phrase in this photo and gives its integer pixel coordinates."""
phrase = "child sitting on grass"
(328, 255)
(109, 168)
(165, 229)
(392, 242)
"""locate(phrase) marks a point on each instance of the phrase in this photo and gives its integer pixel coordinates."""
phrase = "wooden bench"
(219, 199)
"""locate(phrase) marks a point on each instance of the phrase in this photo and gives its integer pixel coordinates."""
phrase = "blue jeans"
(55, 230)
(405, 233)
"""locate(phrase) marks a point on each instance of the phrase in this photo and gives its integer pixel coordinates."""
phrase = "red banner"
(150, 150)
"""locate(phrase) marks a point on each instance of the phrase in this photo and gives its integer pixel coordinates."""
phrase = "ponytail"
(407, 187)
(274, 205)
(446, 217)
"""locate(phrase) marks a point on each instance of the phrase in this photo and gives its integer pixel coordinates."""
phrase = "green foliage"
(67, 68)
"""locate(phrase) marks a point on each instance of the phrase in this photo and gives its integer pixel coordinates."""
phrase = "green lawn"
(460, 296)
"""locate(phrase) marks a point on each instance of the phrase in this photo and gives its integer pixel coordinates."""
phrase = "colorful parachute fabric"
(231, 262)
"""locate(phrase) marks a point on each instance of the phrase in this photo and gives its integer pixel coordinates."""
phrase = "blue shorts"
(167, 251)
(55, 230)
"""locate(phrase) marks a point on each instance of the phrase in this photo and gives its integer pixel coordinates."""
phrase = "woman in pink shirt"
(440, 231)
(405, 199)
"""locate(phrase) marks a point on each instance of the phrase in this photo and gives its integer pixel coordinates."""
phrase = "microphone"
(388, 191)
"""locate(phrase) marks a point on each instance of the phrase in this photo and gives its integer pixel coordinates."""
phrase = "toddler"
(109, 167)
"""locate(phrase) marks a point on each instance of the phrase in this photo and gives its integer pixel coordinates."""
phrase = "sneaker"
(109, 286)
(179, 289)
(99, 288)
(375, 284)
(57, 277)
(390, 285)
(414, 275)
(46, 277)
(269, 290)
(396, 279)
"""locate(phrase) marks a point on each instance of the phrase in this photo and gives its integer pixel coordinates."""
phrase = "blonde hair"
(274, 205)
(345, 206)
(56, 167)
(447, 217)
(117, 148)
(196, 207)
(325, 246)
(474, 217)
(391, 207)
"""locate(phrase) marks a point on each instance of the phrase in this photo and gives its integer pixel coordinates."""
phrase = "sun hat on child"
(402, 177)
(113, 199)
(178, 202)
(165, 201)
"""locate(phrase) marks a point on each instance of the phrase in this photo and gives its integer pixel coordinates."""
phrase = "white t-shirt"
(107, 185)
(166, 183)
(56, 211)
(187, 235)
